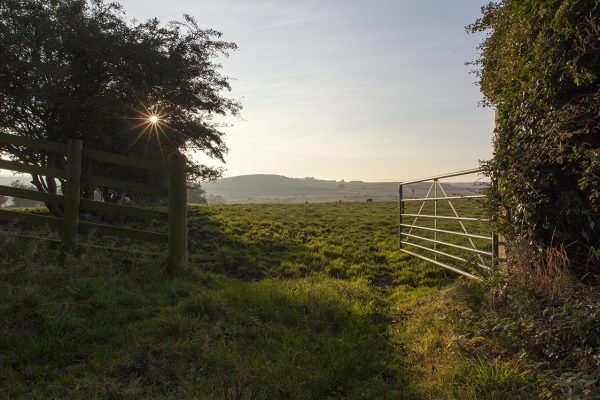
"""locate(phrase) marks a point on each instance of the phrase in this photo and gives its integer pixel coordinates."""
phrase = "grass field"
(309, 301)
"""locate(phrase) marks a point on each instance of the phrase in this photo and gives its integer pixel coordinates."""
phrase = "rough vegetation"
(540, 67)
(540, 319)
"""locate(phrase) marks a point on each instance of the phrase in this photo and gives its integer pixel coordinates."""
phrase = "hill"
(280, 189)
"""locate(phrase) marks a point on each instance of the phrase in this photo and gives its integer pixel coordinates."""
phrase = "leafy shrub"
(540, 67)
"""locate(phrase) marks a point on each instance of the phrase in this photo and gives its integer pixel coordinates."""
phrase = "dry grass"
(543, 271)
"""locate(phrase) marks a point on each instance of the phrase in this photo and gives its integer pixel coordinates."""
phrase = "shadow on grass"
(241, 249)
(344, 241)
(103, 326)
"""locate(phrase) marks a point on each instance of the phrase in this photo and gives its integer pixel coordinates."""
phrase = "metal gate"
(447, 225)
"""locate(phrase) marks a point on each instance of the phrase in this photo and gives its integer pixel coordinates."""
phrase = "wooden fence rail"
(70, 225)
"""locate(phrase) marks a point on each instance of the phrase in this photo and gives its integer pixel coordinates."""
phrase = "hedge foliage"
(539, 66)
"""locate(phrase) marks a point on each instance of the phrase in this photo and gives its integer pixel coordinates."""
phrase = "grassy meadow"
(308, 301)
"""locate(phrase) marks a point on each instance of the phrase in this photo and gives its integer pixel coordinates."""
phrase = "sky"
(372, 90)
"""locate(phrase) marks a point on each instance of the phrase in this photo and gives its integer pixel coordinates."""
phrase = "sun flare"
(153, 119)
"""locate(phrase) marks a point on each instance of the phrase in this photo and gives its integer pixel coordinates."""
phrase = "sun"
(152, 122)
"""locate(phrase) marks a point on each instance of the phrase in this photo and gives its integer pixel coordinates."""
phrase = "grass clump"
(446, 359)
(495, 379)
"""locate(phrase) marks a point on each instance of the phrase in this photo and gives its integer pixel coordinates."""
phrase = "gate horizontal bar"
(444, 254)
(31, 195)
(473, 196)
(40, 144)
(126, 233)
(134, 162)
(119, 184)
(446, 217)
(30, 237)
(483, 252)
(449, 267)
(449, 232)
(18, 216)
(33, 169)
(453, 174)
(109, 248)
(123, 210)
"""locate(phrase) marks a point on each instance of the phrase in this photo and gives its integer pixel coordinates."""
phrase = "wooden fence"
(70, 225)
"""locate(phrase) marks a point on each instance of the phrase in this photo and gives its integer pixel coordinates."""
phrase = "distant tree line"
(540, 67)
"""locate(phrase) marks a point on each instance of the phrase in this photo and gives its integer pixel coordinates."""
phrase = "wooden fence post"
(72, 194)
(177, 212)
(495, 250)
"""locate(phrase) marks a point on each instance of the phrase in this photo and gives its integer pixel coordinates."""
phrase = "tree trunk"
(48, 184)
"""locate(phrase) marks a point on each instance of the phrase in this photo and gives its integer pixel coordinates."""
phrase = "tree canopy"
(540, 66)
(79, 69)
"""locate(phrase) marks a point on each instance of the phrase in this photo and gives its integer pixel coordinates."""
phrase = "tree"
(540, 66)
(78, 69)
(195, 194)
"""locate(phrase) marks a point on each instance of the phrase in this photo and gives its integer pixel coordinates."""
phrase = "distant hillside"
(281, 189)
(277, 189)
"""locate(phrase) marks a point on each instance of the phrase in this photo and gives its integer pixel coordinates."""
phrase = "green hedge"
(540, 65)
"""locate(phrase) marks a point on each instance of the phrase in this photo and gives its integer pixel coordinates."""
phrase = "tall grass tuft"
(542, 271)
(495, 380)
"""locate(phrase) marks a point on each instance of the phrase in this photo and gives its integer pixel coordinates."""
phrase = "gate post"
(72, 194)
(177, 213)
(400, 212)
(495, 250)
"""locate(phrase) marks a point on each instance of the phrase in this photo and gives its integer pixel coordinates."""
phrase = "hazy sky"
(368, 90)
